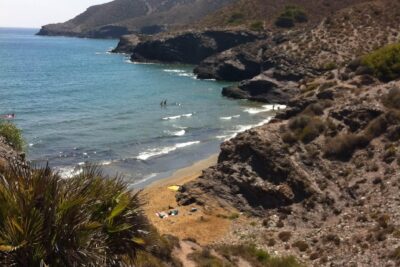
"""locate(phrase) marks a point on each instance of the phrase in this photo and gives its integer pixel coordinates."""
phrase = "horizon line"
(19, 27)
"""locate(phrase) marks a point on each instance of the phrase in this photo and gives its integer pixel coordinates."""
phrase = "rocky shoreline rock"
(8, 154)
(262, 88)
(236, 64)
(189, 47)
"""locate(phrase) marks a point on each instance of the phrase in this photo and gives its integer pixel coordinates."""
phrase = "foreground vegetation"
(88, 220)
(12, 135)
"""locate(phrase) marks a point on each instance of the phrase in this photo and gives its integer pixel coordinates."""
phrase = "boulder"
(235, 64)
(262, 88)
(127, 43)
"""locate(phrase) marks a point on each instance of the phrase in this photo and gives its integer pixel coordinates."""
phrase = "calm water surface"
(77, 103)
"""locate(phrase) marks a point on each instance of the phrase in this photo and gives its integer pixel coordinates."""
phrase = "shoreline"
(183, 175)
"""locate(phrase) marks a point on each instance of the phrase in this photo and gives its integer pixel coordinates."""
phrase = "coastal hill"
(119, 17)
(247, 12)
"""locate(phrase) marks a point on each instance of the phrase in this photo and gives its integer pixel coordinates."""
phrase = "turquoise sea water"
(77, 103)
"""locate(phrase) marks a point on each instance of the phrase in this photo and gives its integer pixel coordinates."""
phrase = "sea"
(77, 104)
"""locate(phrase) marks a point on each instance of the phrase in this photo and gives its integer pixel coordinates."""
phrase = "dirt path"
(182, 253)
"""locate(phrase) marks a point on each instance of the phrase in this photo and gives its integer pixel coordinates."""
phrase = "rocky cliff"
(119, 17)
(183, 47)
(322, 174)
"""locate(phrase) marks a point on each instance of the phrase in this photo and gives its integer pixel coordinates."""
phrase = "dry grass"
(208, 224)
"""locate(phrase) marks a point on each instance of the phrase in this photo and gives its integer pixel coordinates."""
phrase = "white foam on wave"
(179, 127)
(178, 117)
(229, 118)
(138, 63)
(186, 74)
(241, 129)
(162, 151)
(69, 172)
(264, 108)
(174, 70)
(176, 133)
(145, 179)
(106, 162)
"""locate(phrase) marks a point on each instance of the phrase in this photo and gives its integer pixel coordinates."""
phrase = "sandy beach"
(206, 225)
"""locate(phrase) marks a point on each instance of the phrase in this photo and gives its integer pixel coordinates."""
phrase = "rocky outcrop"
(127, 43)
(262, 88)
(253, 174)
(8, 154)
(321, 176)
(189, 47)
(235, 64)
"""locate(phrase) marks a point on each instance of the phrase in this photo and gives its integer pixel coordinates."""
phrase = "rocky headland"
(190, 47)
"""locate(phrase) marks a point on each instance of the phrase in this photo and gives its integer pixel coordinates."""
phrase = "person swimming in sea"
(163, 103)
(8, 116)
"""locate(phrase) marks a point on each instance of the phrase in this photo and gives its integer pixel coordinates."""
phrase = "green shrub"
(236, 18)
(301, 245)
(289, 138)
(343, 146)
(392, 99)
(12, 135)
(330, 66)
(284, 22)
(376, 127)
(315, 109)
(88, 220)
(395, 255)
(380, 125)
(384, 62)
(285, 236)
(257, 26)
(256, 257)
(306, 128)
(290, 16)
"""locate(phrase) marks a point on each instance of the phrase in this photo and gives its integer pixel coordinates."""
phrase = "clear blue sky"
(35, 13)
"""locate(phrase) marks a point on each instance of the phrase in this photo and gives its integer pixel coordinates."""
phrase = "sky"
(35, 13)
